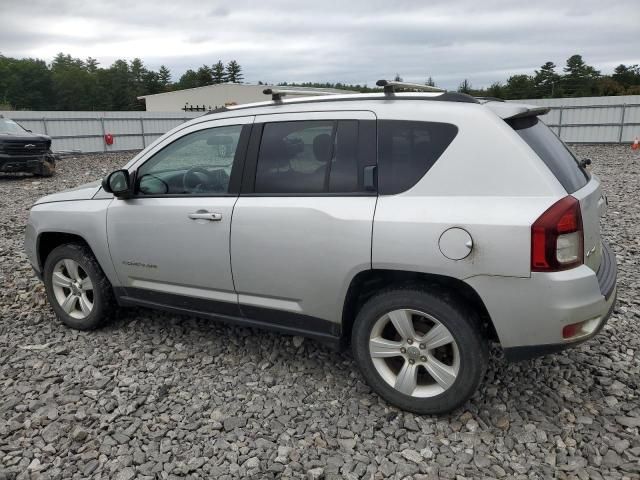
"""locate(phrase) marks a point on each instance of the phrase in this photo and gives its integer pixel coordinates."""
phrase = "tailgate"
(592, 206)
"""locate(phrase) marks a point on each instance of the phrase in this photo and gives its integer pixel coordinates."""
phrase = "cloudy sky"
(354, 41)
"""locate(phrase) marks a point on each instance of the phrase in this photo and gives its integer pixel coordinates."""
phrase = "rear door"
(302, 225)
(576, 181)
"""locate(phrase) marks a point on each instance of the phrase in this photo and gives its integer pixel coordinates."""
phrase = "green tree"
(430, 82)
(72, 84)
(141, 82)
(546, 81)
(121, 86)
(219, 73)
(496, 90)
(189, 79)
(627, 76)
(579, 79)
(164, 77)
(465, 87)
(234, 72)
(91, 65)
(204, 75)
(520, 86)
(607, 86)
(397, 78)
(25, 83)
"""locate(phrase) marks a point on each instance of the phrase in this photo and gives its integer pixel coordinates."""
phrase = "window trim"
(253, 150)
(235, 179)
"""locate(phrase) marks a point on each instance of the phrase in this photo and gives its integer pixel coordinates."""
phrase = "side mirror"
(118, 183)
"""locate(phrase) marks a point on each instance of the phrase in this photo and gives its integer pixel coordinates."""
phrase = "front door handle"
(212, 217)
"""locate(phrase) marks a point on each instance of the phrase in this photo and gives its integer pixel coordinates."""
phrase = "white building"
(214, 96)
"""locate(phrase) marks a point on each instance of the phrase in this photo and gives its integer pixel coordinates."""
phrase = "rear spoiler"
(508, 110)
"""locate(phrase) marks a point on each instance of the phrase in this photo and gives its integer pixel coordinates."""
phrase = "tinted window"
(309, 157)
(553, 152)
(198, 163)
(407, 150)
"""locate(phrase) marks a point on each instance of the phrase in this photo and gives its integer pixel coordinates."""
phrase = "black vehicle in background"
(24, 151)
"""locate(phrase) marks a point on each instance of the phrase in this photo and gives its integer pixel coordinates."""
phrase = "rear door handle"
(212, 217)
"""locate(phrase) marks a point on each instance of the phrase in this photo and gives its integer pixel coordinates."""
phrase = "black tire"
(102, 294)
(455, 316)
(46, 169)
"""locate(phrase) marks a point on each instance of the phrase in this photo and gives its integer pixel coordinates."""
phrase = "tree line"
(69, 83)
(577, 79)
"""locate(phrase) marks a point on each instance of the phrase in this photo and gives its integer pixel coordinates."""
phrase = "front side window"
(407, 150)
(306, 157)
(199, 163)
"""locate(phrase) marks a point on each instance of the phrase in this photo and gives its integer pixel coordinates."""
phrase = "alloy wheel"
(72, 288)
(414, 353)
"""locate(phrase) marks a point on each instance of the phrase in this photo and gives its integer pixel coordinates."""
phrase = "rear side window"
(552, 151)
(312, 157)
(407, 150)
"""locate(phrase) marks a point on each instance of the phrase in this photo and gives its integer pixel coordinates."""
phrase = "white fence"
(593, 119)
(575, 120)
(85, 131)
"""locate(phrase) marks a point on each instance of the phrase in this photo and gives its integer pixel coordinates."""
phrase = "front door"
(170, 242)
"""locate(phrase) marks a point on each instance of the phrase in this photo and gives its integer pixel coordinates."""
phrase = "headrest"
(322, 147)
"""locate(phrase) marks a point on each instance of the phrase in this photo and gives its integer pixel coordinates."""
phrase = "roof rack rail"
(391, 85)
(277, 94)
(490, 99)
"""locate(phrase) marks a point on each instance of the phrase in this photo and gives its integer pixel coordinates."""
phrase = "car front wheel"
(79, 293)
(419, 350)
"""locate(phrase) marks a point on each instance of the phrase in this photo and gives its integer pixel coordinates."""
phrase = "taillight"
(557, 237)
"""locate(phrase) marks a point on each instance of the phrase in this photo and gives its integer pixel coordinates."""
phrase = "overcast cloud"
(354, 41)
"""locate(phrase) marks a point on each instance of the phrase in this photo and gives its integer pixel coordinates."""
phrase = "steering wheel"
(195, 177)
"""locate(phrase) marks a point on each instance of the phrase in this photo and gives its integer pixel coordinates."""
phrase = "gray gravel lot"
(155, 395)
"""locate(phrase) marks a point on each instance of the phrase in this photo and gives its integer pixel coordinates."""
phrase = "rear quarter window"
(407, 150)
(552, 151)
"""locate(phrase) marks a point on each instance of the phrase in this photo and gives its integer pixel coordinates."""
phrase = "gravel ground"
(155, 395)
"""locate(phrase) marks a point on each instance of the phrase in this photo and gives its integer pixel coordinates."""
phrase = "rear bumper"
(529, 314)
(516, 354)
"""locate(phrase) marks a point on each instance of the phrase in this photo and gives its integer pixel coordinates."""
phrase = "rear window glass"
(407, 150)
(553, 152)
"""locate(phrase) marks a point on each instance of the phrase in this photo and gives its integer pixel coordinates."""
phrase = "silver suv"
(418, 227)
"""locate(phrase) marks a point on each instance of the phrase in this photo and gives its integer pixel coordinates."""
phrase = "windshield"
(553, 152)
(9, 126)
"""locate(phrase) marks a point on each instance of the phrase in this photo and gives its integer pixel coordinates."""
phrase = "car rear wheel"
(421, 351)
(79, 293)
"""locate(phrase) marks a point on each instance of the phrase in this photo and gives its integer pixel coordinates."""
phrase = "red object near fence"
(108, 139)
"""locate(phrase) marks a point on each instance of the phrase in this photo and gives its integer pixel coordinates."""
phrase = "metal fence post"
(144, 143)
(624, 108)
(104, 144)
(560, 123)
